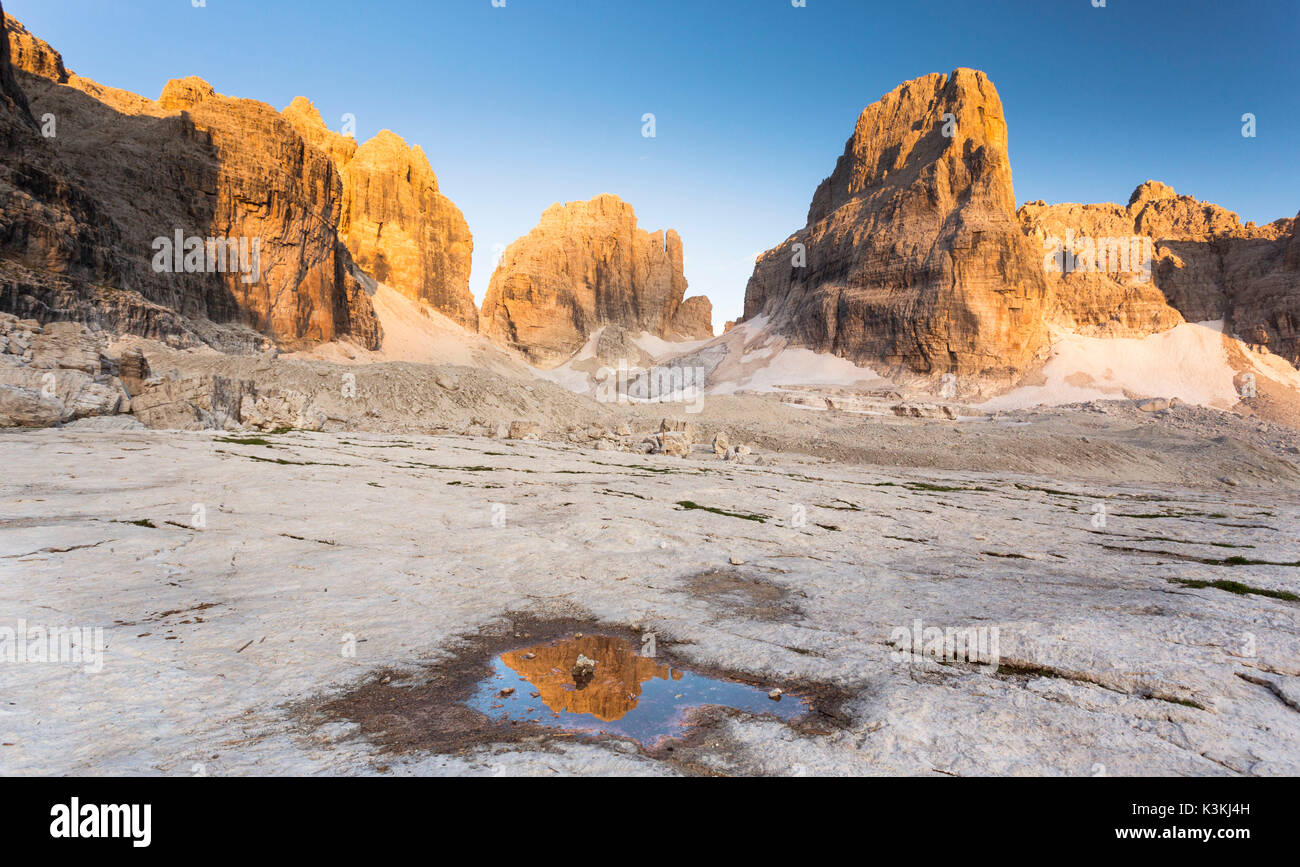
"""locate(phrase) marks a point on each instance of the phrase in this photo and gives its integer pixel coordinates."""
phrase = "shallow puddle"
(627, 694)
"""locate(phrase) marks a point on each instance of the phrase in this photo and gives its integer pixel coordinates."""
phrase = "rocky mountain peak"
(403, 231)
(181, 94)
(962, 114)
(585, 265)
(302, 113)
(912, 257)
(33, 55)
(1151, 191)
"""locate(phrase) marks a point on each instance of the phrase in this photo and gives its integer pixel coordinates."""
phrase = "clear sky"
(541, 101)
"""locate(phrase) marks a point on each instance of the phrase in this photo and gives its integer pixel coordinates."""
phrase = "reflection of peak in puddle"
(629, 695)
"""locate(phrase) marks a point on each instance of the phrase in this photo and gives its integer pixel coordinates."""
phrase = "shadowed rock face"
(914, 259)
(584, 266)
(56, 244)
(1205, 265)
(207, 165)
(693, 319)
(396, 223)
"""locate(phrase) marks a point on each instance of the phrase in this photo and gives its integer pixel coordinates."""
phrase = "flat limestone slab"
(228, 573)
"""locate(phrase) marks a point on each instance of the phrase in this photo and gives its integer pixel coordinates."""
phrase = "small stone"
(776, 694)
(583, 670)
(508, 691)
(736, 561)
(524, 430)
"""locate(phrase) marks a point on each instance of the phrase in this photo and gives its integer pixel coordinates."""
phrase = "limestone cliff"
(396, 223)
(912, 258)
(195, 163)
(584, 266)
(33, 55)
(1203, 264)
(57, 247)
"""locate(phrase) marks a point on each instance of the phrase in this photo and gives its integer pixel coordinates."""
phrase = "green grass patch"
(1238, 588)
(690, 505)
(942, 489)
(1051, 491)
(293, 463)
(624, 494)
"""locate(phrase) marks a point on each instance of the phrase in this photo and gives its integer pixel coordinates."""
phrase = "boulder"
(195, 403)
(677, 425)
(67, 346)
(74, 393)
(524, 429)
(28, 407)
(675, 443)
(278, 409)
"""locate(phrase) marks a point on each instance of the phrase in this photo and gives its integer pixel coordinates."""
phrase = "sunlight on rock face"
(627, 694)
(613, 690)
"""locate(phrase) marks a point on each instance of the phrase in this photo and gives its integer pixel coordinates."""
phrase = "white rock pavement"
(225, 575)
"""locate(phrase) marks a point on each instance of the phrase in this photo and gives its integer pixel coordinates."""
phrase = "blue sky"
(541, 101)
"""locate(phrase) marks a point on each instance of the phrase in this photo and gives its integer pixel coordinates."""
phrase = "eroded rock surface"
(196, 163)
(54, 374)
(400, 229)
(1111, 650)
(912, 257)
(587, 265)
(1204, 264)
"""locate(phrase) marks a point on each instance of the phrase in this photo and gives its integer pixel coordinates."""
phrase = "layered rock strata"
(912, 258)
(587, 265)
